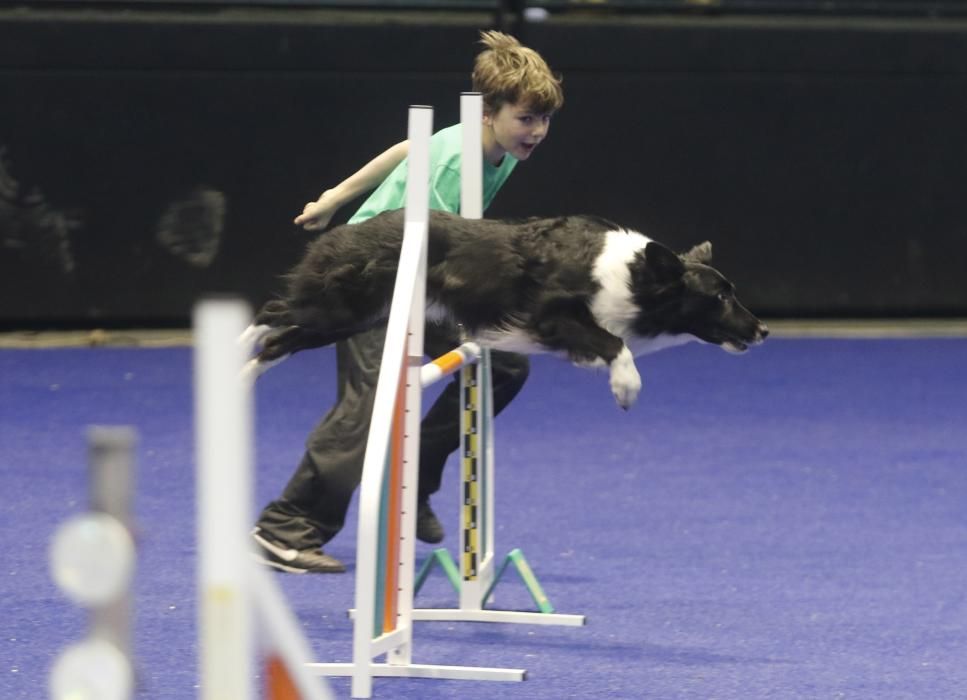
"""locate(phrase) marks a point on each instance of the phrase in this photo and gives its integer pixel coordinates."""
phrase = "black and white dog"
(578, 286)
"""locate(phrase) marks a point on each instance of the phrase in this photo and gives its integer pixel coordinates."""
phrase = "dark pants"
(312, 508)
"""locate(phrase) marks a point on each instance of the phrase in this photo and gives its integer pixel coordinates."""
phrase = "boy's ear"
(702, 253)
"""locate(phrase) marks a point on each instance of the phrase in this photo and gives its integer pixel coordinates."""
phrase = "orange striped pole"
(393, 534)
(278, 682)
(449, 363)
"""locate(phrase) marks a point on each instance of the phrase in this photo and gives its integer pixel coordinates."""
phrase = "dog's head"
(684, 294)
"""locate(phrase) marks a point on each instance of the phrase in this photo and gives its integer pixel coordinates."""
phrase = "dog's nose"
(763, 331)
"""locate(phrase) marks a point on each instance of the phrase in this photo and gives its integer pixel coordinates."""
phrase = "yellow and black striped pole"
(470, 513)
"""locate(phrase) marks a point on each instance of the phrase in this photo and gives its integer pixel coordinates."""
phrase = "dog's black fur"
(576, 285)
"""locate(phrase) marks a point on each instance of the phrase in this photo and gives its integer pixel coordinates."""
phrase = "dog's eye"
(723, 296)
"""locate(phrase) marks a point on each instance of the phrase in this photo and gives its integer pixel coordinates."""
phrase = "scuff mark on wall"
(191, 228)
(30, 224)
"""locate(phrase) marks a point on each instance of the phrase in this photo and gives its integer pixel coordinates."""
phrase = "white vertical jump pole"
(402, 357)
(416, 227)
(399, 344)
(478, 565)
(471, 155)
(477, 559)
(231, 586)
(223, 429)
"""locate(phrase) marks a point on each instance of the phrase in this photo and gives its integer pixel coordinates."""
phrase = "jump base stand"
(450, 673)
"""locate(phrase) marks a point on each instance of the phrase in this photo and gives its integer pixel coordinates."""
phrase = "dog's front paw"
(625, 380)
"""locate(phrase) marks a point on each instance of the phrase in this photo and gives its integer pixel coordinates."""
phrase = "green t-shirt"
(445, 147)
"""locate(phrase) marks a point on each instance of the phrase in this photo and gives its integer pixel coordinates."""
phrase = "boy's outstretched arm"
(316, 215)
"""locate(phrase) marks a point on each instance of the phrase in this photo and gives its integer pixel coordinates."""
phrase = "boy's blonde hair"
(508, 72)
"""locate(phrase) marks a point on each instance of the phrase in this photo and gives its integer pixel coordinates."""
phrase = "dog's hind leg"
(252, 336)
(273, 315)
(280, 343)
(255, 367)
(272, 352)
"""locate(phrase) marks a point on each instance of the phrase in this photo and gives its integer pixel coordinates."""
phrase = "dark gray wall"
(825, 159)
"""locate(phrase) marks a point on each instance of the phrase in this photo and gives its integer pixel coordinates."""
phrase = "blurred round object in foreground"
(93, 669)
(92, 559)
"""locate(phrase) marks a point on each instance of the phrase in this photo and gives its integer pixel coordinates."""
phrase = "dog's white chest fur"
(613, 306)
(510, 340)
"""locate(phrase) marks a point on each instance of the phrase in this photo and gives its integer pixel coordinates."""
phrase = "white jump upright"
(471, 155)
(383, 620)
(476, 416)
(223, 443)
(478, 571)
(235, 596)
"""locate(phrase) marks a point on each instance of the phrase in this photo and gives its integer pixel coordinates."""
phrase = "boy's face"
(514, 129)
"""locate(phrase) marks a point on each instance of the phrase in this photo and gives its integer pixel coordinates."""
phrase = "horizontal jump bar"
(449, 363)
(507, 616)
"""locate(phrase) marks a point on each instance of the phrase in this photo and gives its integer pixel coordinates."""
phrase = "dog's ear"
(663, 263)
(702, 253)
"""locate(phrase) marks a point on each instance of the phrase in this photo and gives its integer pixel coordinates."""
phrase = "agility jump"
(385, 562)
(383, 620)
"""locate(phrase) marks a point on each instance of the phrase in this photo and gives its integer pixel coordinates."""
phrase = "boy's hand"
(316, 215)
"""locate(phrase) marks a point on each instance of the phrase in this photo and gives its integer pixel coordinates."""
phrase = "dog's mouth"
(738, 346)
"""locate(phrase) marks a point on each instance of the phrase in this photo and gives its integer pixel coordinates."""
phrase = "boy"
(519, 96)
